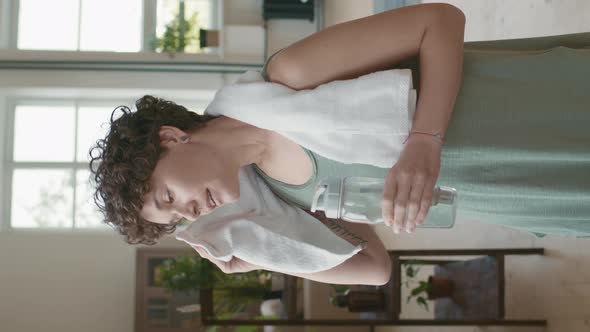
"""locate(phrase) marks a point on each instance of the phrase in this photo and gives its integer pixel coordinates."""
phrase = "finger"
(401, 201)
(426, 202)
(414, 202)
(387, 202)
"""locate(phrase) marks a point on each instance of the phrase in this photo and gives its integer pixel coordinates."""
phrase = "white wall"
(507, 19)
(65, 281)
(69, 282)
(338, 11)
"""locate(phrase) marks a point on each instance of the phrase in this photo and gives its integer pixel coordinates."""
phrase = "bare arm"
(378, 42)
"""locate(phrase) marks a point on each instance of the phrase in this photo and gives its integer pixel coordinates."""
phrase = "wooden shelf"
(393, 296)
(155, 300)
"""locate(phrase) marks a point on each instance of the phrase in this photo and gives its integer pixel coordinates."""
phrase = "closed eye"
(170, 199)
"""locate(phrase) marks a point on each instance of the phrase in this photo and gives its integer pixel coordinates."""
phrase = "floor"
(556, 286)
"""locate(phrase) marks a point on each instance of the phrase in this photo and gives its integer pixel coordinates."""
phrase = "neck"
(243, 143)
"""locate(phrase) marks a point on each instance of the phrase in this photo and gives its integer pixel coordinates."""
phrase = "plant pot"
(208, 38)
(441, 287)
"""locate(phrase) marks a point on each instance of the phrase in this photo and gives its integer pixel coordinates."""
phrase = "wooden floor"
(556, 286)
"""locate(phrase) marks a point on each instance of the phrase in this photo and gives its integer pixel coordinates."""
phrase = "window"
(198, 10)
(49, 185)
(106, 25)
(84, 25)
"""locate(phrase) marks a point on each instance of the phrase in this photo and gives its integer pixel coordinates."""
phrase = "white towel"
(363, 120)
(265, 231)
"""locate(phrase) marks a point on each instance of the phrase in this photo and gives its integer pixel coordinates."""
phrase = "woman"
(513, 115)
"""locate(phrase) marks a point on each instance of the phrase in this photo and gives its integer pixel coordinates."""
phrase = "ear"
(170, 135)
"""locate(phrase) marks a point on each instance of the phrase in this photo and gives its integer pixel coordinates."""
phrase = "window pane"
(44, 133)
(93, 123)
(87, 213)
(201, 9)
(168, 10)
(42, 198)
(48, 25)
(111, 25)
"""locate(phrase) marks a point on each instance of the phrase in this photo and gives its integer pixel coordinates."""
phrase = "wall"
(66, 281)
(507, 19)
(338, 11)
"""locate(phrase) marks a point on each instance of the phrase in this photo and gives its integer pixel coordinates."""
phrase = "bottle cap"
(446, 195)
(326, 197)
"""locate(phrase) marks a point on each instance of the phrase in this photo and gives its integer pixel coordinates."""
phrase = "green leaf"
(410, 272)
(422, 288)
(417, 290)
(422, 301)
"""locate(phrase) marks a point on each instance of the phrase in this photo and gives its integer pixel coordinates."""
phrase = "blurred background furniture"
(176, 290)
(446, 313)
(155, 308)
(459, 271)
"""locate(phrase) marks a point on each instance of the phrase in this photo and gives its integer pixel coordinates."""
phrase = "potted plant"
(232, 292)
(338, 295)
(358, 299)
(433, 288)
(177, 35)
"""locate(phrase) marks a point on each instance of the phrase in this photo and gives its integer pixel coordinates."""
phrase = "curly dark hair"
(122, 163)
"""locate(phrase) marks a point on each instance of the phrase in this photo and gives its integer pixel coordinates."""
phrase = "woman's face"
(182, 177)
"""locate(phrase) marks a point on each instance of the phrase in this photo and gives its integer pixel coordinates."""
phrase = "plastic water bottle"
(358, 199)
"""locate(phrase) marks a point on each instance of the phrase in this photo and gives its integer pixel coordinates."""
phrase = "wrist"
(425, 136)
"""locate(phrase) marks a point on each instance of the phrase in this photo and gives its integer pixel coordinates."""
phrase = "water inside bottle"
(362, 203)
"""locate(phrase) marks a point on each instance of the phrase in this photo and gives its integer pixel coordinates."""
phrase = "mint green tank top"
(518, 143)
(301, 195)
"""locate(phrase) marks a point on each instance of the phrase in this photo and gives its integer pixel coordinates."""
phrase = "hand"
(409, 185)
(235, 265)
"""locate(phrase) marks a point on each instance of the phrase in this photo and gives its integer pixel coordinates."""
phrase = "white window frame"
(9, 31)
(9, 165)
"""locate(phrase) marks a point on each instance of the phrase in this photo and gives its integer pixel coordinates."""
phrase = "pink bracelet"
(437, 135)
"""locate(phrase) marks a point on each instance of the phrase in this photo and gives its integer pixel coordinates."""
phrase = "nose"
(189, 211)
